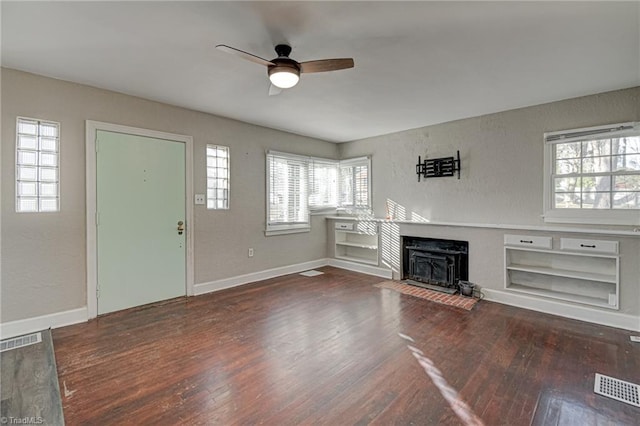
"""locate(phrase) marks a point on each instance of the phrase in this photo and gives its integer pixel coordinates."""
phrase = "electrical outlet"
(200, 199)
(251, 252)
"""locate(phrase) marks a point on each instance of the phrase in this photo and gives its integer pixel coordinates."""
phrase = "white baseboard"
(359, 267)
(75, 316)
(224, 283)
(30, 325)
(583, 313)
(79, 315)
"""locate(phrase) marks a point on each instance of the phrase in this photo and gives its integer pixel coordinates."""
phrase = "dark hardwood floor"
(331, 350)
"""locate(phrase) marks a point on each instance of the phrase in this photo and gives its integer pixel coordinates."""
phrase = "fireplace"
(435, 263)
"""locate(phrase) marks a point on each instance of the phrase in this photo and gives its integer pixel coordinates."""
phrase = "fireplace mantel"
(628, 232)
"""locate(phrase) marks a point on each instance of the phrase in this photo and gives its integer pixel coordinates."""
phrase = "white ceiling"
(417, 63)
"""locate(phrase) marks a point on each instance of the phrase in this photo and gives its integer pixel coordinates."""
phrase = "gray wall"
(43, 255)
(502, 160)
(501, 182)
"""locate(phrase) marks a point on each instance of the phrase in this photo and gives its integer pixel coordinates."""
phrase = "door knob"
(180, 227)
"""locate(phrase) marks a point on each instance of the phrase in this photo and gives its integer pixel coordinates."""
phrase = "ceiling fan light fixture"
(283, 71)
(284, 77)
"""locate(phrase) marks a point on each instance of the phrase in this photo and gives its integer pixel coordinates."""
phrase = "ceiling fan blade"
(274, 90)
(244, 55)
(323, 65)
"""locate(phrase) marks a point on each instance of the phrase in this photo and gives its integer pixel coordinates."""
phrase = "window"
(297, 185)
(37, 166)
(355, 184)
(593, 175)
(217, 177)
(323, 184)
(287, 193)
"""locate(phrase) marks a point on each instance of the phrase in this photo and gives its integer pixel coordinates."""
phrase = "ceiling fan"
(283, 71)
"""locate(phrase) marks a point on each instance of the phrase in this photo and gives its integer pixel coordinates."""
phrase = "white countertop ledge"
(631, 233)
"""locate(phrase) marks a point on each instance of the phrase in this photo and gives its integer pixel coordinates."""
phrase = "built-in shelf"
(360, 259)
(350, 244)
(573, 276)
(357, 243)
(576, 298)
(581, 275)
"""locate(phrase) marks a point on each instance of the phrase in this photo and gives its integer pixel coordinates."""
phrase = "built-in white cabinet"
(530, 241)
(357, 242)
(589, 246)
(582, 271)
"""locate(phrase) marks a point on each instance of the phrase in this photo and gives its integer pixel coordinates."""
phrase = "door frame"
(92, 128)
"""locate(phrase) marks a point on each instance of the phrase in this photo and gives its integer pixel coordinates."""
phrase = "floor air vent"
(617, 389)
(18, 342)
(311, 273)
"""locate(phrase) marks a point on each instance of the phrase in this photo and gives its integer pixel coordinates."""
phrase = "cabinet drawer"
(344, 226)
(527, 241)
(581, 244)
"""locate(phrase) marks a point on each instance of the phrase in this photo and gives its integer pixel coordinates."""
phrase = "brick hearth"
(455, 300)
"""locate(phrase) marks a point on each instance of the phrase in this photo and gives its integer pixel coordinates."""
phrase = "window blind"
(597, 132)
(323, 183)
(287, 192)
(355, 183)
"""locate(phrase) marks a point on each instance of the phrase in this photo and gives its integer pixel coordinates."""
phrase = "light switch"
(199, 198)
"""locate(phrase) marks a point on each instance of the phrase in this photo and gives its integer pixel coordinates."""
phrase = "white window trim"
(584, 216)
(290, 228)
(282, 228)
(287, 229)
(353, 208)
(317, 210)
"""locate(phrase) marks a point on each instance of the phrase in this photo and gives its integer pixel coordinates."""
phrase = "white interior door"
(140, 203)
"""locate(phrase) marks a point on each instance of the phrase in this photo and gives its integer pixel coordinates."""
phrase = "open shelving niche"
(585, 278)
(357, 242)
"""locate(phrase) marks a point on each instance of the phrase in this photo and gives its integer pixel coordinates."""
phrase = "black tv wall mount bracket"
(438, 167)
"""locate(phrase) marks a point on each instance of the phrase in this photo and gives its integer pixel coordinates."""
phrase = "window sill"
(366, 212)
(273, 232)
(323, 212)
(593, 217)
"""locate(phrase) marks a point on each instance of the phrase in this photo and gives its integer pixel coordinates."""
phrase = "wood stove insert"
(435, 263)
